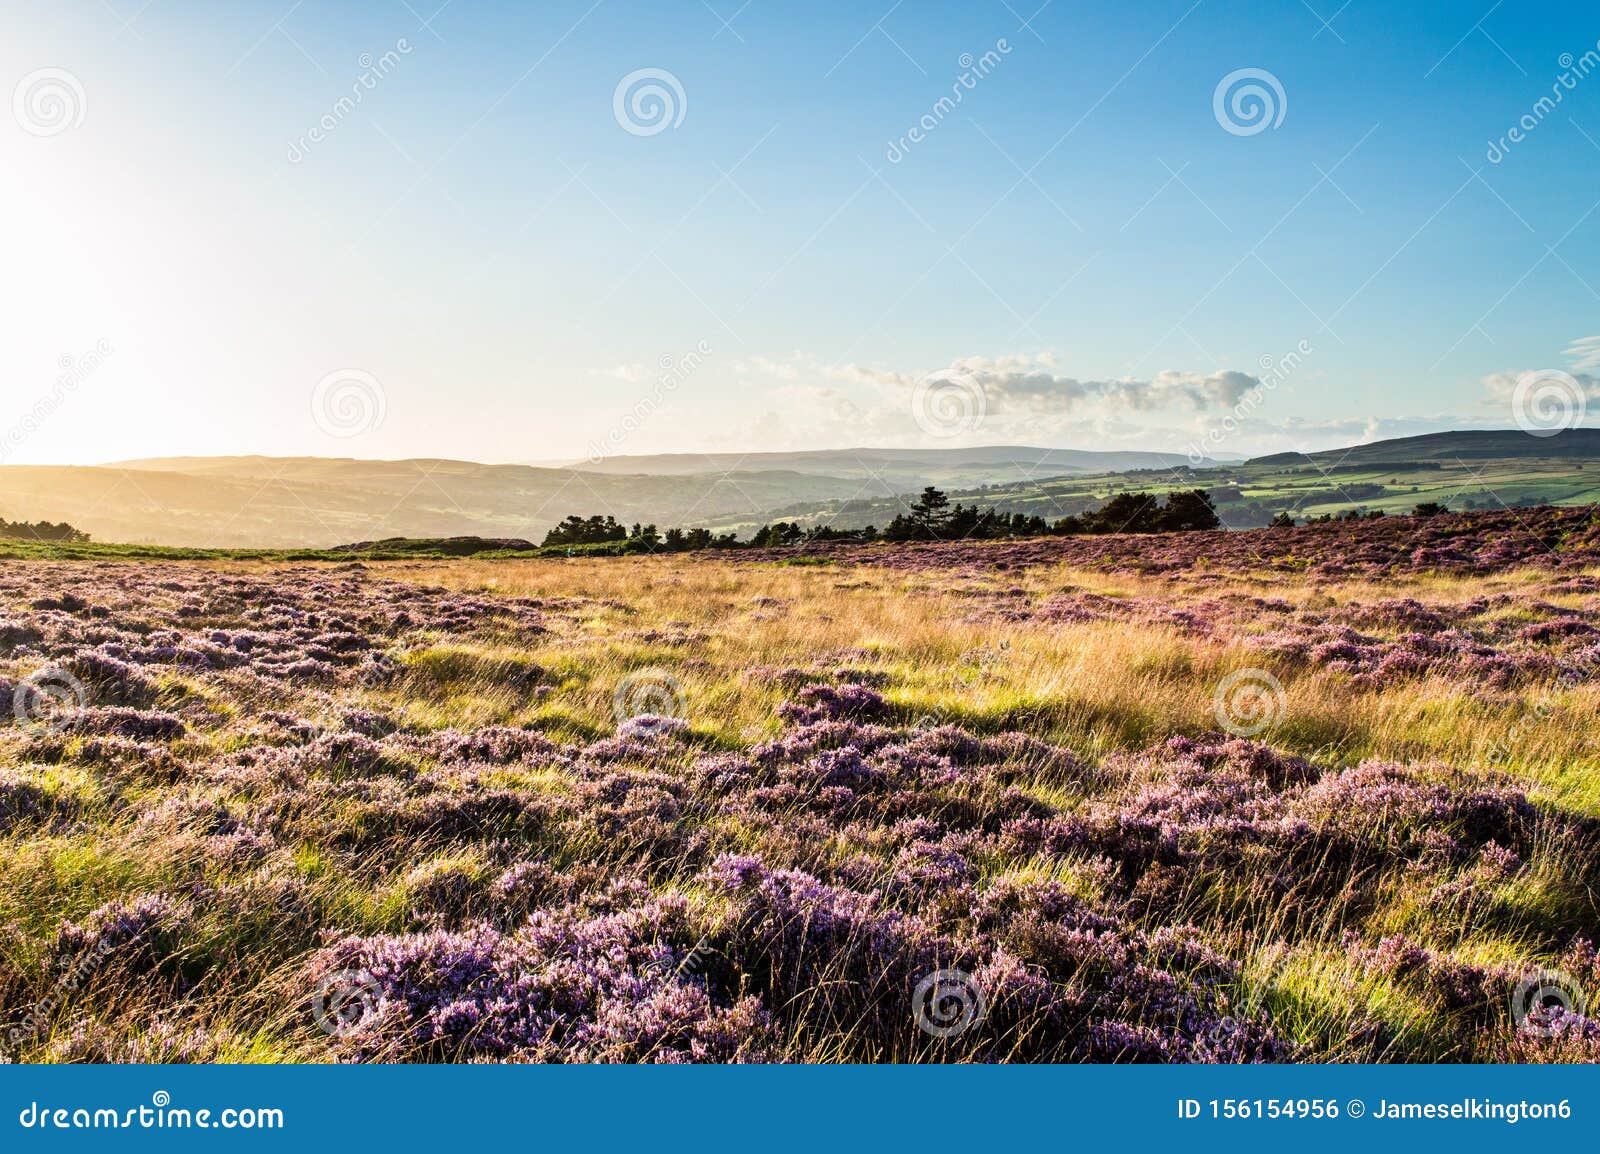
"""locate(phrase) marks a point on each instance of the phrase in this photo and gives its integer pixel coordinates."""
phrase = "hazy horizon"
(840, 449)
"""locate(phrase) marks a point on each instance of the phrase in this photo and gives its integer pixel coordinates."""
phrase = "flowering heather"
(1473, 542)
(826, 703)
(403, 790)
(118, 721)
(564, 987)
(23, 797)
(132, 936)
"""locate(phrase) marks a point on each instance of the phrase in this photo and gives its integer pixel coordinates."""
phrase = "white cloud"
(1499, 387)
(763, 366)
(1028, 384)
(1028, 400)
(632, 372)
(1584, 353)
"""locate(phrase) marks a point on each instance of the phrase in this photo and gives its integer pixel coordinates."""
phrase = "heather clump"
(85, 1040)
(110, 680)
(829, 703)
(1451, 983)
(27, 797)
(125, 940)
(1394, 806)
(120, 721)
(563, 987)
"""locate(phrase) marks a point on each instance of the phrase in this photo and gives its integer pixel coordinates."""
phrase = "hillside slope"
(1464, 445)
(263, 502)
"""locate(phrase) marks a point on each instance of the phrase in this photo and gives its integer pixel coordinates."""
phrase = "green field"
(1248, 495)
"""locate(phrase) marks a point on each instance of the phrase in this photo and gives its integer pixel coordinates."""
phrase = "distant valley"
(281, 502)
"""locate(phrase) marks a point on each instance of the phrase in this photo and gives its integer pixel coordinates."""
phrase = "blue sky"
(480, 260)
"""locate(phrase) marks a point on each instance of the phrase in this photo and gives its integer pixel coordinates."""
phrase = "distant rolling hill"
(284, 502)
(1488, 469)
(1463, 445)
(906, 468)
(277, 502)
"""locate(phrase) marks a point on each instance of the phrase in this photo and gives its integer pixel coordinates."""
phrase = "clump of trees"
(590, 531)
(1422, 509)
(41, 531)
(792, 533)
(931, 518)
(1356, 514)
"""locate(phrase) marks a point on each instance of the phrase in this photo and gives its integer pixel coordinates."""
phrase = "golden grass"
(1096, 687)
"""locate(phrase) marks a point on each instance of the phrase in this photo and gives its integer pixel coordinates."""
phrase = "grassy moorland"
(1315, 794)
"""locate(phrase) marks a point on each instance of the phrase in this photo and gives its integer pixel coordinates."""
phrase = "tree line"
(41, 531)
(931, 518)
